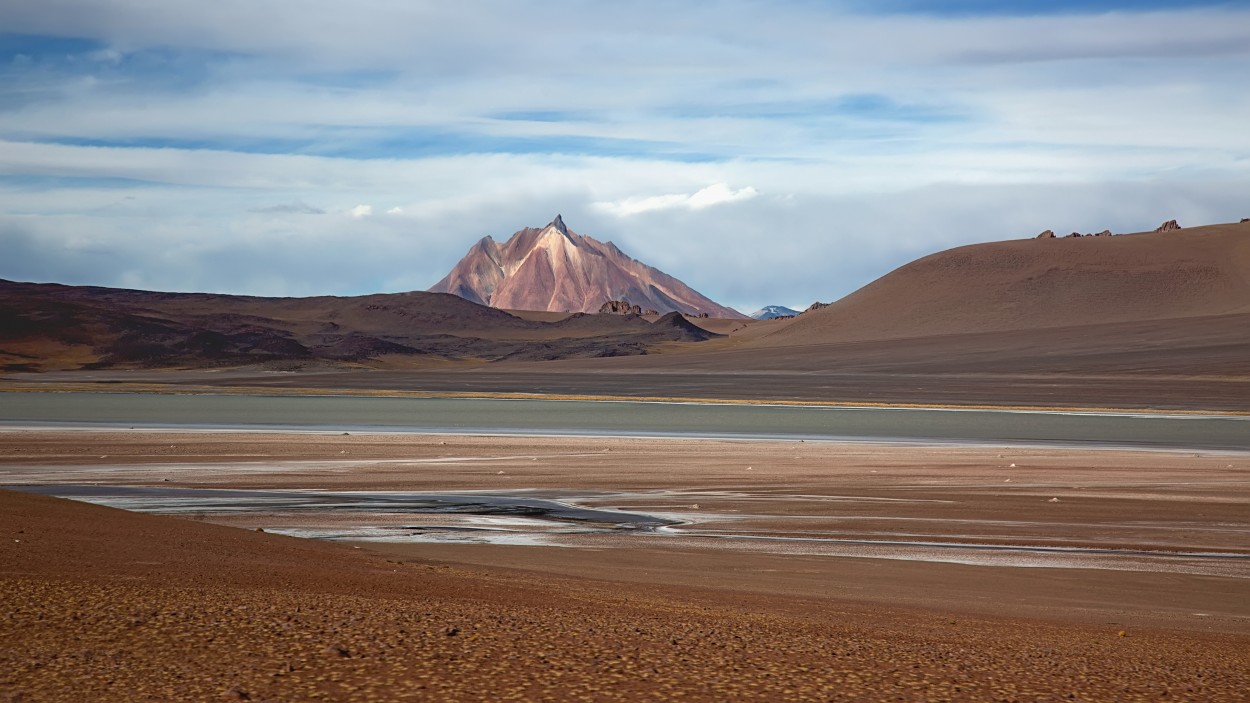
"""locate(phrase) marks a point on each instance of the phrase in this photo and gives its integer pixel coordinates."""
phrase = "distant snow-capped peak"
(769, 312)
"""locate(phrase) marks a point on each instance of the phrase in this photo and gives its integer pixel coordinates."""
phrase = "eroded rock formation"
(620, 307)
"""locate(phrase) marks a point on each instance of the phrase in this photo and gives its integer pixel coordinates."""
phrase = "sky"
(775, 152)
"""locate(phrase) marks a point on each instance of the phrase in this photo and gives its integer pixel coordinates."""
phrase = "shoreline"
(863, 497)
(499, 433)
(122, 388)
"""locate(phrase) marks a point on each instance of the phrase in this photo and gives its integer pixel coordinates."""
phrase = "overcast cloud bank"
(763, 153)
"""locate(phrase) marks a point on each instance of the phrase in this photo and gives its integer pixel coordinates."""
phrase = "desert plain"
(784, 570)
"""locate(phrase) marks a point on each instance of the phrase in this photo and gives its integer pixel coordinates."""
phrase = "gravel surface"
(106, 605)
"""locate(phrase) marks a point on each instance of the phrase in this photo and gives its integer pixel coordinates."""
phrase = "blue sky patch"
(423, 143)
(865, 106)
(965, 8)
(543, 116)
(14, 46)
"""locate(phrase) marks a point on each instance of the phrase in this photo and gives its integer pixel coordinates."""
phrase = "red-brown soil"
(1043, 283)
(106, 605)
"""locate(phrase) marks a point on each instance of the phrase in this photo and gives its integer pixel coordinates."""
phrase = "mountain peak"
(770, 312)
(551, 269)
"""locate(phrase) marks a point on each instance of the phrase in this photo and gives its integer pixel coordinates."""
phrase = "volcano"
(555, 269)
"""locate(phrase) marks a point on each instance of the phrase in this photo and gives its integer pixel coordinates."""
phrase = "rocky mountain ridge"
(555, 269)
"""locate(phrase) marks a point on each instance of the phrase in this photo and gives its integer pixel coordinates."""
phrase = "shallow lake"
(491, 416)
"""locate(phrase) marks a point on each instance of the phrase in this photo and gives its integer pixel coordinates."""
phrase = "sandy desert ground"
(793, 571)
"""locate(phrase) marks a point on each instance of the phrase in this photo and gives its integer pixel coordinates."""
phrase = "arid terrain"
(1153, 320)
(122, 606)
(50, 327)
(332, 560)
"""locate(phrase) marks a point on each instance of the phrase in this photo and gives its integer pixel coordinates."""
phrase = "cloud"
(174, 145)
(297, 207)
(715, 194)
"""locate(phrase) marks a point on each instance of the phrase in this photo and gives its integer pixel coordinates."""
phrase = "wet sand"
(106, 602)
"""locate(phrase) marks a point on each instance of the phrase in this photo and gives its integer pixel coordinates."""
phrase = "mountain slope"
(1043, 283)
(49, 326)
(558, 270)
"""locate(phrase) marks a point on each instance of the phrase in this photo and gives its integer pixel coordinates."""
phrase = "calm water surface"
(473, 416)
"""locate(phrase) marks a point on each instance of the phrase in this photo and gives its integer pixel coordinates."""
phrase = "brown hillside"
(1043, 283)
(48, 326)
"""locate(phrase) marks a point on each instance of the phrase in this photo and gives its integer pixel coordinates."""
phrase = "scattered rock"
(336, 650)
(236, 694)
(816, 306)
(1169, 226)
(1104, 233)
(1048, 234)
(650, 311)
(453, 631)
(620, 307)
(1053, 500)
(260, 529)
(1245, 219)
(1074, 234)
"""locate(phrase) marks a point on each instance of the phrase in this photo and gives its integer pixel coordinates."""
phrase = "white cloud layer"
(715, 194)
(184, 146)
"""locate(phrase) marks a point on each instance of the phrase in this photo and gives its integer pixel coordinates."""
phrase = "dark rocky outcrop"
(676, 324)
(620, 307)
(1169, 226)
(1104, 233)
(1048, 234)
(816, 306)
(558, 223)
(1074, 234)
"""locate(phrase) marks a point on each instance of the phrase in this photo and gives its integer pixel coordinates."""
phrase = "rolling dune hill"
(1043, 283)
